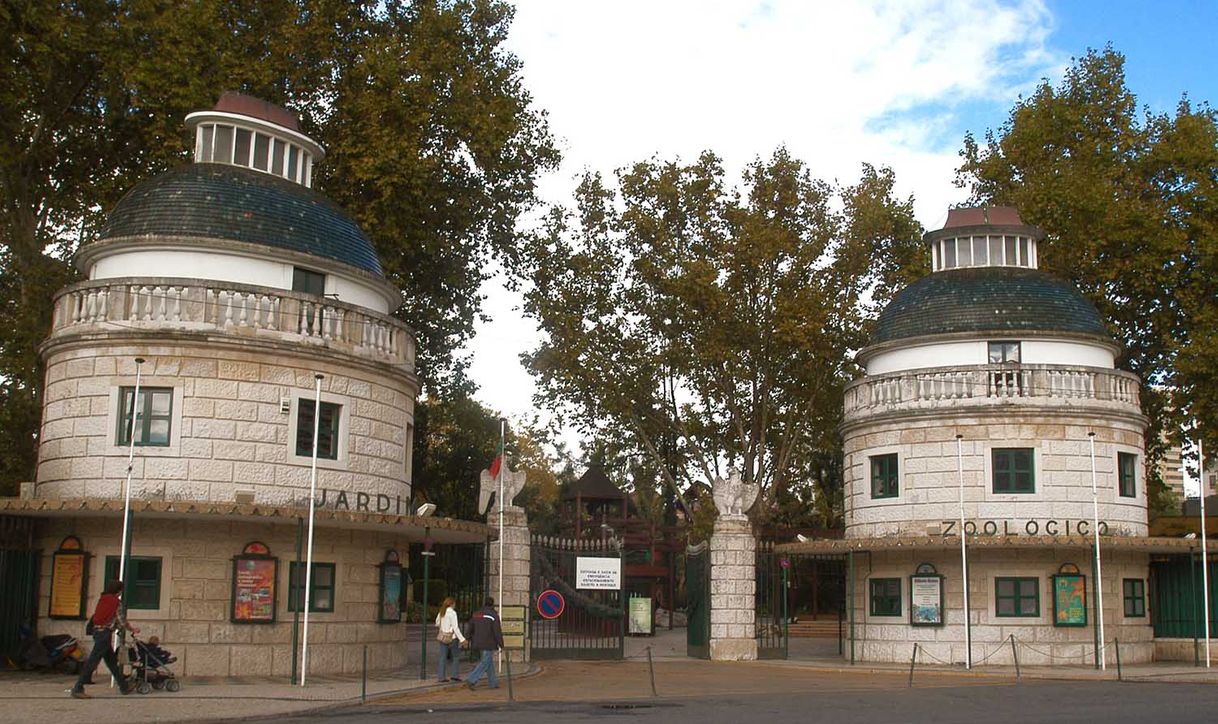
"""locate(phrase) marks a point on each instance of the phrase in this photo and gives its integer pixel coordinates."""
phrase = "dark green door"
(697, 594)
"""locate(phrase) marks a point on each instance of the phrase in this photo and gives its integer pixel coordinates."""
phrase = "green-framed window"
(1016, 597)
(327, 431)
(153, 416)
(321, 599)
(143, 588)
(1000, 352)
(1013, 470)
(884, 478)
(885, 596)
(1127, 474)
(1135, 597)
(308, 281)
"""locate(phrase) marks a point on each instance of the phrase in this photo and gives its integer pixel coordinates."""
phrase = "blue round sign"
(550, 604)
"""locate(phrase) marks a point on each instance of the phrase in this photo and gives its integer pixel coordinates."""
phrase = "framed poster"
(69, 574)
(390, 609)
(926, 597)
(253, 592)
(1069, 598)
(640, 620)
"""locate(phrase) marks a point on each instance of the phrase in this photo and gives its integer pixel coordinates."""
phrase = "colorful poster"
(926, 600)
(67, 586)
(1069, 599)
(254, 589)
(391, 593)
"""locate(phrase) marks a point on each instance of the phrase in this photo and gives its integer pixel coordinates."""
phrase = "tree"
(433, 145)
(1129, 203)
(708, 328)
(457, 438)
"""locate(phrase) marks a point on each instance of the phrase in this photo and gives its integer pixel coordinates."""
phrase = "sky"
(838, 84)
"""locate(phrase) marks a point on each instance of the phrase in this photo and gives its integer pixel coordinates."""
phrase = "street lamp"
(425, 511)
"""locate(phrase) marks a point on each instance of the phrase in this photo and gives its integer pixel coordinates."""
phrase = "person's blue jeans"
(486, 665)
(450, 657)
(102, 650)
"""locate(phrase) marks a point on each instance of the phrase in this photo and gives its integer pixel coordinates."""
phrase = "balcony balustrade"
(191, 305)
(992, 385)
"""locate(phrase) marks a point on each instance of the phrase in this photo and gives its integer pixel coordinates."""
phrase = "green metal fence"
(592, 624)
(697, 606)
(771, 603)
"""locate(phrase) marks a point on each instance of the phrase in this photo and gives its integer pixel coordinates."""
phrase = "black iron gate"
(697, 601)
(590, 623)
(18, 580)
(771, 602)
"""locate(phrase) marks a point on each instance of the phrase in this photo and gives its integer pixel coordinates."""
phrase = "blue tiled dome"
(214, 201)
(987, 300)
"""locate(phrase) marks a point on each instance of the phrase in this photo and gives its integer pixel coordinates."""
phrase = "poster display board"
(390, 598)
(926, 597)
(255, 572)
(69, 572)
(1069, 598)
(640, 620)
(513, 624)
(599, 574)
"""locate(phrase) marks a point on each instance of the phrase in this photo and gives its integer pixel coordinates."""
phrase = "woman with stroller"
(107, 617)
(450, 638)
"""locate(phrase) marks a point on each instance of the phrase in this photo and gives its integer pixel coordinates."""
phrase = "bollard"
(1118, 654)
(652, 667)
(912, 659)
(507, 660)
(1015, 655)
(363, 683)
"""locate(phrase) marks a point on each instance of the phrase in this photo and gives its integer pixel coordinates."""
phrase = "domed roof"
(999, 300)
(220, 201)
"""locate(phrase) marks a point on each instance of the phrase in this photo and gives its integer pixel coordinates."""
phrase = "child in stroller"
(150, 664)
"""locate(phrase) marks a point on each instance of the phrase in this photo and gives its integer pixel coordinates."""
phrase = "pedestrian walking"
(107, 618)
(451, 639)
(486, 635)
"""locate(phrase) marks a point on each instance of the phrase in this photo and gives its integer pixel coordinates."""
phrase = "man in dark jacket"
(486, 635)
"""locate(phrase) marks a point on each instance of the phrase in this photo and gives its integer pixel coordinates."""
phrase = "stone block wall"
(929, 482)
(230, 430)
(1038, 641)
(517, 557)
(733, 583)
(194, 622)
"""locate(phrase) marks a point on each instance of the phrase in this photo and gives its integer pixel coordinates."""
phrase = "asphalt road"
(706, 695)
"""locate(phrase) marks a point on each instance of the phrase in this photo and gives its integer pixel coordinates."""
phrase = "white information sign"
(602, 574)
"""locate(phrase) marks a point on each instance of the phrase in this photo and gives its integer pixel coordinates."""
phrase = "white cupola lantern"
(252, 133)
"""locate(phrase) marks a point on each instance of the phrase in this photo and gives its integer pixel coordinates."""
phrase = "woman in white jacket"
(450, 638)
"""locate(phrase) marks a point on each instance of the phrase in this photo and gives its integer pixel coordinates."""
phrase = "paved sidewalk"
(34, 696)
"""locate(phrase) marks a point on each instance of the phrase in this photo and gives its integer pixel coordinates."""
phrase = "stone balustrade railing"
(193, 305)
(984, 384)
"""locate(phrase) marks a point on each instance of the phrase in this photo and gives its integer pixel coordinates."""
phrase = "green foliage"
(456, 439)
(1130, 204)
(433, 145)
(708, 328)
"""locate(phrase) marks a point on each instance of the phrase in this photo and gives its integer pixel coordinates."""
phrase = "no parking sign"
(550, 604)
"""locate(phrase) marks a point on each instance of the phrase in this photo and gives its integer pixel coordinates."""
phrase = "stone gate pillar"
(733, 573)
(516, 548)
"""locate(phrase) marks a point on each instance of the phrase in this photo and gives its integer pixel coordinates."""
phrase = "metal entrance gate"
(591, 623)
(771, 602)
(19, 574)
(697, 601)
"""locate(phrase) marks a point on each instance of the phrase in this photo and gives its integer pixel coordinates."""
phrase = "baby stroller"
(148, 671)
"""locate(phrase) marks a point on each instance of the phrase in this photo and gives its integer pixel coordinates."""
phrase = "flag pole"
(502, 465)
(1099, 571)
(306, 597)
(124, 552)
(968, 634)
(1205, 563)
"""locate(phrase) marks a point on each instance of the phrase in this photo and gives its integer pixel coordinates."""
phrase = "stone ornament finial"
(733, 496)
(513, 483)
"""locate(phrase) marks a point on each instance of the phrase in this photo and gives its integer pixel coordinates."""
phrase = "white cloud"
(837, 83)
